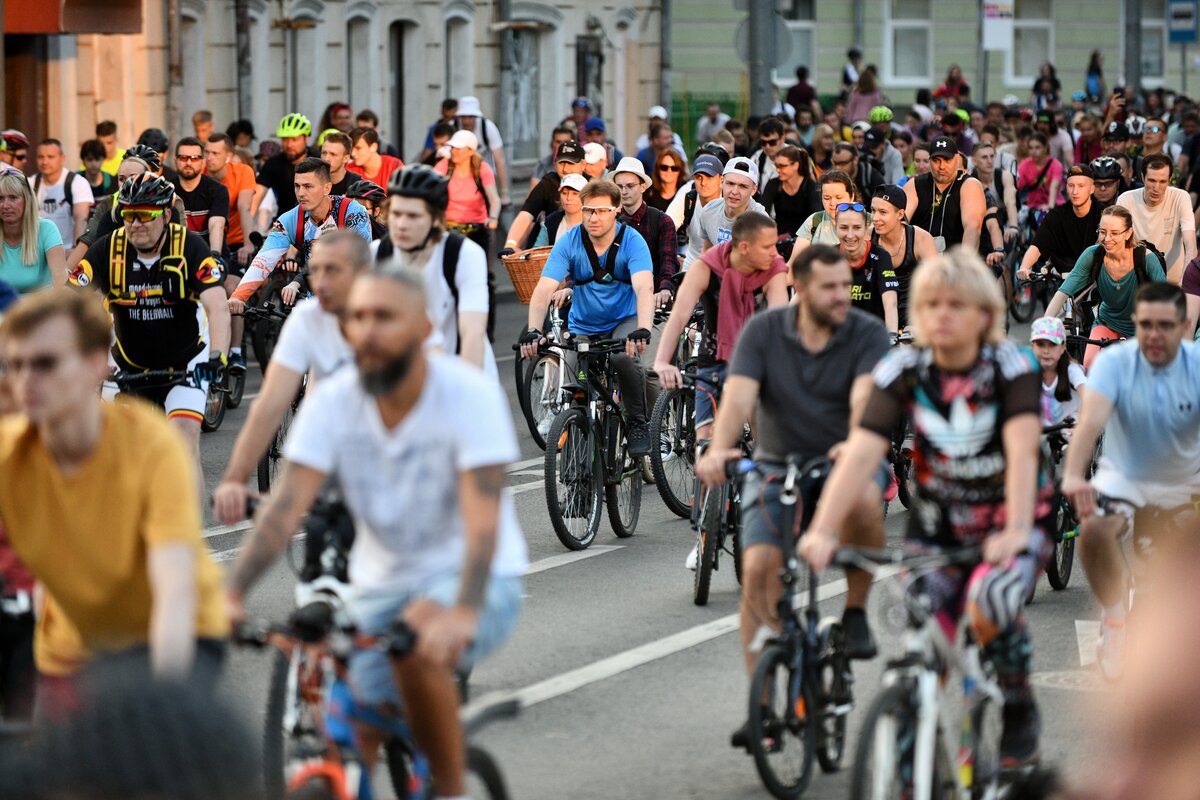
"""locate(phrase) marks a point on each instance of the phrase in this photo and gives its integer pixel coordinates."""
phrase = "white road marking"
(567, 682)
(521, 488)
(1087, 633)
(562, 559)
(220, 530)
(509, 357)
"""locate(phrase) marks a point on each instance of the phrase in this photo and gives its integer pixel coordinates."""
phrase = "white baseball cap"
(658, 112)
(576, 182)
(469, 107)
(742, 167)
(594, 153)
(464, 139)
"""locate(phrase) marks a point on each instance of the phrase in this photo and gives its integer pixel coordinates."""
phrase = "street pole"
(1183, 68)
(762, 43)
(1133, 45)
(174, 72)
(245, 103)
(981, 66)
(664, 46)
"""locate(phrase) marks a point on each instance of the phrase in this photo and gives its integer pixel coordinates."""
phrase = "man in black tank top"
(947, 202)
(905, 244)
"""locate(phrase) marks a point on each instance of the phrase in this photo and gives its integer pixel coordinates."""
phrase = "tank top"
(945, 219)
(904, 269)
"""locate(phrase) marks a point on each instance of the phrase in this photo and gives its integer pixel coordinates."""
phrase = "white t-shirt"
(1166, 225)
(471, 277)
(312, 341)
(52, 202)
(401, 485)
(718, 228)
(1053, 411)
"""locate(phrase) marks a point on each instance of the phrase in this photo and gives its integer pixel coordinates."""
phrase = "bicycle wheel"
(1062, 560)
(835, 690)
(398, 753)
(573, 480)
(1024, 303)
(673, 457)
(237, 388)
(274, 744)
(782, 736)
(214, 409)
(541, 399)
(708, 536)
(269, 464)
(624, 496)
(484, 779)
(987, 726)
(883, 763)
(736, 535)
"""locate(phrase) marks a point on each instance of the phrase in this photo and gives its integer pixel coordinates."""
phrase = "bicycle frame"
(601, 399)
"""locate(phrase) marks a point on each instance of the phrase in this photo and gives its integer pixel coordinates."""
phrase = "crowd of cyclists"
(842, 272)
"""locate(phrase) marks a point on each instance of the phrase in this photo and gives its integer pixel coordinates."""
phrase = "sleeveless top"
(903, 269)
(943, 218)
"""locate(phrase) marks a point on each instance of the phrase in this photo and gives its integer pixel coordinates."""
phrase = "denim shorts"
(761, 511)
(371, 672)
(709, 381)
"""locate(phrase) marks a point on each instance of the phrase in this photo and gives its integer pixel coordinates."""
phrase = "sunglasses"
(142, 215)
(769, 142)
(1154, 128)
(189, 158)
(668, 168)
(38, 365)
(20, 158)
(859, 207)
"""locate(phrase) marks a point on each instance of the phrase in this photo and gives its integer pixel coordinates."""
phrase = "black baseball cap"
(943, 147)
(892, 194)
(1116, 130)
(1081, 170)
(873, 137)
(569, 151)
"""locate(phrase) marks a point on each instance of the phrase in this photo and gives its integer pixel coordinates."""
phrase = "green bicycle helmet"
(146, 191)
(880, 114)
(324, 133)
(294, 125)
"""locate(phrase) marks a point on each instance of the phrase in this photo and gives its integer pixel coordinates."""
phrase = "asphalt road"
(630, 690)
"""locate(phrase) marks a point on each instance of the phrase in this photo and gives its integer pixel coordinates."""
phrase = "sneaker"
(639, 439)
(693, 559)
(893, 489)
(237, 363)
(859, 642)
(1019, 741)
(1110, 650)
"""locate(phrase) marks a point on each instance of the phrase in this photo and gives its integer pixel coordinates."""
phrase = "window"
(192, 58)
(358, 62)
(1154, 39)
(589, 71)
(524, 104)
(460, 51)
(907, 54)
(801, 17)
(1033, 40)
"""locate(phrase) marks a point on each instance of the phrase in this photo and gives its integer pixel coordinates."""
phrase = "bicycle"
(154, 384)
(311, 655)
(265, 331)
(717, 523)
(268, 465)
(1077, 345)
(1066, 522)
(900, 453)
(905, 744)
(801, 693)
(587, 451)
(541, 391)
(673, 428)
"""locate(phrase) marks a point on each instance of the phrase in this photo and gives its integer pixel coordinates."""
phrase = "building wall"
(397, 58)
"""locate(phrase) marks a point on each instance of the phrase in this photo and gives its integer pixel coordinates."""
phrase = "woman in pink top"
(1040, 177)
(474, 201)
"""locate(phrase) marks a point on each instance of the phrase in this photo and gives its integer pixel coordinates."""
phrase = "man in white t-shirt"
(417, 239)
(419, 445)
(739, 182)
(1162, 214)
(64, 197)
(310, 343)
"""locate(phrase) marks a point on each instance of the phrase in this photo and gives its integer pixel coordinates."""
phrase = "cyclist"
(974, 401)
(371, 197)
(455, 268)
(727, 280)
(147, 585)
(1068, 229)
(419, 444)
(310, 343)
(613, 297)
(836, 188)
(1062, 378)
(689, 205)
(947, 201)
(906, 245)
(806, 368)
(875, 285)
(1000, 193)
(205, 198)
(1109, 180)
(318, 211)
(739, 183)
(1109, 266)
(156, 277)
(239, 182)
(1142, 396)
(278, 172)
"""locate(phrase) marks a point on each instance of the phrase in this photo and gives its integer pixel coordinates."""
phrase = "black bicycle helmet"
(713, 149)
(144, 153)
(1106, 168)
(366, 190)
(423, 182)
(146, 191)
(155, 138)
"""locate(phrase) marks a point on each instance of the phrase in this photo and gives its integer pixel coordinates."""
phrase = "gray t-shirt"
(718, 228)
(804, 397)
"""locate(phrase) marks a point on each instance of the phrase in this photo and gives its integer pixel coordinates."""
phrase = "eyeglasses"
(189, 158)
(1106, 235)
(1154, 128)
(589, 210)
(859, 207)
(38, 365)
(142, 215)
(1158, 325)
(781, 165)
(668, 168)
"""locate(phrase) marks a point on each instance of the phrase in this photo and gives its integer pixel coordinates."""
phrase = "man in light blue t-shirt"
(1145, 397)
(611, 291)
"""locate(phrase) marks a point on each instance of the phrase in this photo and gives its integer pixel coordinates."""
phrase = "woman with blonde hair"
(823, 142)
(33, 257)
(474, 207)
(974, 399)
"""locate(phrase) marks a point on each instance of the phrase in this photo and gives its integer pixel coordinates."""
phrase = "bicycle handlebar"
(1071, 337)
(164, 376)
(871, 558)
(1066, 424)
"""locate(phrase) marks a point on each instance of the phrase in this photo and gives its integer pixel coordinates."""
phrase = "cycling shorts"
(184, 401)
(371, 675)
(709, 381)
(1110, 482)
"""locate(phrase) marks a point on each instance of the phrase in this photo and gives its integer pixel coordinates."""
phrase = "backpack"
(610, 260)
(298, 241)
(1139, 264)
(689, 210)
(454, 243)
(171, 261)
(68, 195)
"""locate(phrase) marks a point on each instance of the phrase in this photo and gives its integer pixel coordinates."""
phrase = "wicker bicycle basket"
(525, 268)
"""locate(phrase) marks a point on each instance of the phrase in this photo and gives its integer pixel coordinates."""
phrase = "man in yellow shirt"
(99, 501)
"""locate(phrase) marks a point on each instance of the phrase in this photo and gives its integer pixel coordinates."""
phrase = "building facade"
(399, 58)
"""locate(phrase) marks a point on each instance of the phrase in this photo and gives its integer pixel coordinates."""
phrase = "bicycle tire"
(672, 416)
(736, 535)
(531, 405)
(237, 389)
(836, 683)
(1062, 560)
(484, 779)
(767, 736)
(398, 757)
(214, 410)
(708, 536)
(1024, 303)
(268, 465)
(624, 497)
(893, 708)
(568, 433)
(987, 724)
(274, 742)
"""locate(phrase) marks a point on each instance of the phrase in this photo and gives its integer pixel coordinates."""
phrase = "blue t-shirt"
(597, 307)
(1154, 433)
(29, 277)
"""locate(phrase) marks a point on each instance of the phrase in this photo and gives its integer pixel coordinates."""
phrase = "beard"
(383, 380)
(827, 317)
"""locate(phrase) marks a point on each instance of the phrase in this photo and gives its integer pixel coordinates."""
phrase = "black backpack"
(454, 243)
(68, 195)
(1139, 264)
(689, 210)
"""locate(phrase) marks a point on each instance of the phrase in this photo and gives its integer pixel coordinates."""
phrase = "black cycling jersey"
(943, 218)
(153, 301)
(209, 199)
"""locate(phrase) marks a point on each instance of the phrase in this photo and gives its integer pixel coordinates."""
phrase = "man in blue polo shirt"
(612, 296)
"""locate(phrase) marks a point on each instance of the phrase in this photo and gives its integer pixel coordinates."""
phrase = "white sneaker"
(693, 558)
(1110, 650)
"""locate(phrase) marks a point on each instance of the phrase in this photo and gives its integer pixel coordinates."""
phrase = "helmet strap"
(430, 238)
(161, 238)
